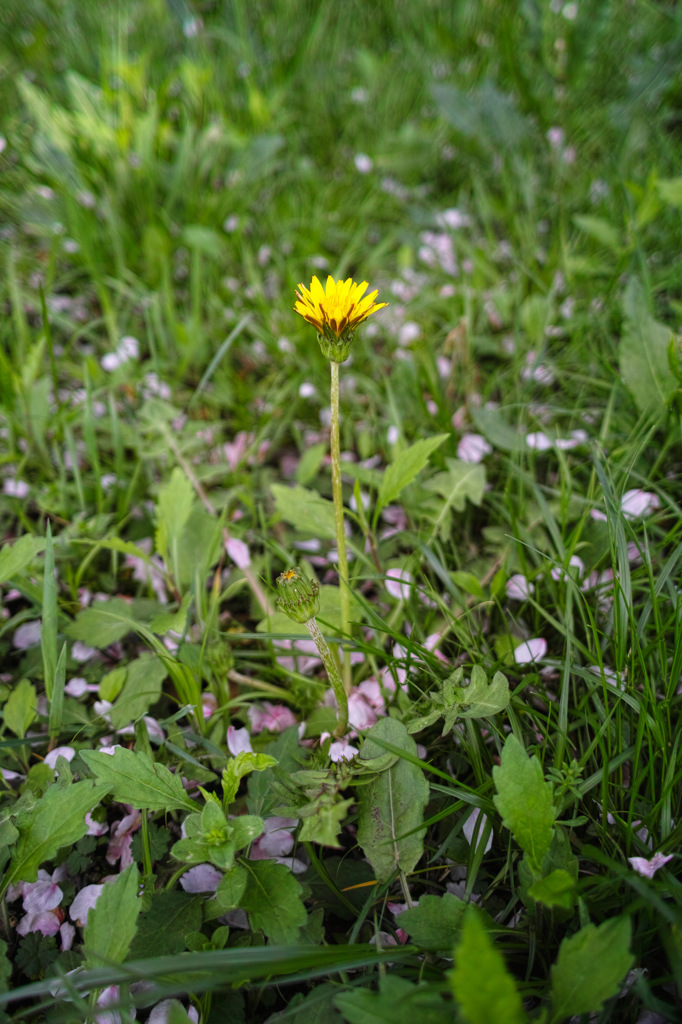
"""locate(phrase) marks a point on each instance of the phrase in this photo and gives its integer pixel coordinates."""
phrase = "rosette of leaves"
(457, 699)
(210, 837)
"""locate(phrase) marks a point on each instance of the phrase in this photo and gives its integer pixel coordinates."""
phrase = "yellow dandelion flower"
(336, 312)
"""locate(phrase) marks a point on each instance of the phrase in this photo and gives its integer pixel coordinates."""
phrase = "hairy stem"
(334, 677)
(338, 517)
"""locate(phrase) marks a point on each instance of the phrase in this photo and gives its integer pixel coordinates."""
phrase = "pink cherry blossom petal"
(238, 552)
(648, 868)
(202, 878)
(83, 903)
(530, 650)
(238, 741)
(518, 587)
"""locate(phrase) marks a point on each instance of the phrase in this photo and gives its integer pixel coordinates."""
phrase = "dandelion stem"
(334, 677)
(338, 517)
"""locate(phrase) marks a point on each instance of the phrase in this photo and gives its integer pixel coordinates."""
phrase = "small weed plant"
(340, 681)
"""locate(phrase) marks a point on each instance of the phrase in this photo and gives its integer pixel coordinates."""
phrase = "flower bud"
(298, 596)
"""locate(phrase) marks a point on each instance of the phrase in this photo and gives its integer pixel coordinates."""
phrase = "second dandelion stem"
(337, 493)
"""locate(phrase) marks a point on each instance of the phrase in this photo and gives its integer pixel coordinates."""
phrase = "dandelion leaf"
(135, 779)
(480, 981)
(391, 805)
(397, 1002)
(273, 900)
(55, 821)
(435, 923)
(112, 923)
(524, 800)
(590, 968)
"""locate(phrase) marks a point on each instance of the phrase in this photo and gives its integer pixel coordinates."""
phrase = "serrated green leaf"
(557, 889)
(162, 929)
(199, 545)
(398, 1001)
(497, 429)
(463, 481)
(480, 981)
(321, 821)
(112, 923)
(105, 622)
(590, 968)
(273, 899)
(112, 683)
(243, 764)
(392, 804)
(141, 690)
(524, 799)
(135, 779)
(56, 820)
(435, 923)
(176, 620)
(231, 888)
(173, 508)
(20, 707)
(305, 510)
(407, 466)
(14, 558)
(481, 699)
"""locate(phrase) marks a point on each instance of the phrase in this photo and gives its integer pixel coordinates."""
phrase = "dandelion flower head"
(336, 312)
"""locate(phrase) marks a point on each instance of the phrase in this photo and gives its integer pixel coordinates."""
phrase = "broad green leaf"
(481, 699)
(48, 630)
(141, 690)
(112, 923)
(273, 900)
(309, 463)
(524, 800)
(172, 620)
(245, 828)
(602, 231)
(480, 981)
(134, 778)
(408, 464)
(56, 820)
(112, 683)
(670, 190)
(397, 1002)
(392, 804)
(199, 545)
(322, 820)
(20, 707)
(231, 888)
(535, 315)
(243, 764)
(162, 929)
(498, 430)
(643, 354)
(305, 510)
(557, 889)
(590, 968)
(485, 115)
(463, 481)
(173, 508)
(435, 923)
(105, 622)
(14, 558)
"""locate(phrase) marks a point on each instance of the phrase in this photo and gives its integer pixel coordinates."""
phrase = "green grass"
(170, 173)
